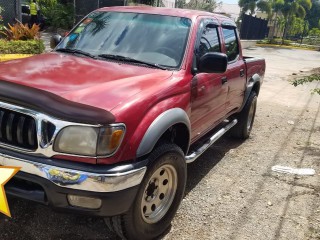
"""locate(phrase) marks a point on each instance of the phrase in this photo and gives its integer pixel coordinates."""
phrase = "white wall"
(169, 3)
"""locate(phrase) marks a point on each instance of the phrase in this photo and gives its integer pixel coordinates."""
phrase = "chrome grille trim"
(44, 147)
(17, 129)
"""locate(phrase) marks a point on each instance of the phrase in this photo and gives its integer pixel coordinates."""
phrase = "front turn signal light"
(110, 139)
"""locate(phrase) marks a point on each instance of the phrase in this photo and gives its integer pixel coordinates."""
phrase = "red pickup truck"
(106, 123)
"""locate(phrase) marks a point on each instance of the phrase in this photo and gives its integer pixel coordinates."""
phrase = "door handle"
(224, 80)
(241, 72)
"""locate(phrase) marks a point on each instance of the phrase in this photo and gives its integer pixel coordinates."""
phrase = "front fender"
(159, 126)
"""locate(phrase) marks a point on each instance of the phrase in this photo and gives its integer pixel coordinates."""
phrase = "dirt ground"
(231, 191)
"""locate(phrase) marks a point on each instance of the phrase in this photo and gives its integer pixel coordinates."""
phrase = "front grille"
(17, 129)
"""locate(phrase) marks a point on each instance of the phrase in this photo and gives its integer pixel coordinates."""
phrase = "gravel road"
(231, 191)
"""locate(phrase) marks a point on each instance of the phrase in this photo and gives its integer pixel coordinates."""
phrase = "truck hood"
(98, 83)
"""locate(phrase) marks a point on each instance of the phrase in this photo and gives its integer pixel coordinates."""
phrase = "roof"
(178, 12)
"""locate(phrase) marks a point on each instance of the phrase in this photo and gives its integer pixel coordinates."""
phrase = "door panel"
(207, 103)
(236, 85)
(208, 93)
(235, 71)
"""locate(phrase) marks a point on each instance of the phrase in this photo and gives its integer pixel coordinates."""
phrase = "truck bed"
(254, 65)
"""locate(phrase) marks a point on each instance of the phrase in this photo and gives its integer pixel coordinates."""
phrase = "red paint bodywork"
(136, 95)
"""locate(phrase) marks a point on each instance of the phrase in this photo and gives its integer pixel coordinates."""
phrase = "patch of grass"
(285, 46)
(276, 41)
(21, 47)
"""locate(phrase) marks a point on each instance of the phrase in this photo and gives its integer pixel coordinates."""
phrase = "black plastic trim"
(47, 193)
(53, 105)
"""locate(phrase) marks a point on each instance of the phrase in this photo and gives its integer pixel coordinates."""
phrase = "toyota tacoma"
(107, 122)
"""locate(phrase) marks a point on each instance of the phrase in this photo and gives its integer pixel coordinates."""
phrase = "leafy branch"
(308, 79)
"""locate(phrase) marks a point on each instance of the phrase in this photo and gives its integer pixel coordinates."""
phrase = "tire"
(158, 197)
(245, 118)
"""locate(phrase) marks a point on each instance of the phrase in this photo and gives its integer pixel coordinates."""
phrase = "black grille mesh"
(17, 129)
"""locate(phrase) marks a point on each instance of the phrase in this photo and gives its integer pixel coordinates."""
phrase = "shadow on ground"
(33, 221)
(204, 164)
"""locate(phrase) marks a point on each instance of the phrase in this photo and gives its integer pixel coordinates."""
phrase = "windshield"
(156, 39)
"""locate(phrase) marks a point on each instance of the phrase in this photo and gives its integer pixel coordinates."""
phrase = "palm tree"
(247, 5)
(291, 9)
(288, 8)
(276, 6)
(252, 5)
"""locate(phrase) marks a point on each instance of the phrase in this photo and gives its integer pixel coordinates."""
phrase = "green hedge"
(21, 47)
(277, 41)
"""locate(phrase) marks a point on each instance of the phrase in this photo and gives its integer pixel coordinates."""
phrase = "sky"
(230, 1)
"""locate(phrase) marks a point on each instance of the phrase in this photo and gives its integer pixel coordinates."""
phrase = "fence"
(12, 10)
(83, 7)
(253, 28)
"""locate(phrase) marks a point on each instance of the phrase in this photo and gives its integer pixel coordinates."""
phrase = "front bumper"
(50, 182)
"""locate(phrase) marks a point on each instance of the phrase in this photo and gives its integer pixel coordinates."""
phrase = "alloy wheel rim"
(159, 194)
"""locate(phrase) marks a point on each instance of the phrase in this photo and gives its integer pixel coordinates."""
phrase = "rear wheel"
(158, 198)
(245, 118)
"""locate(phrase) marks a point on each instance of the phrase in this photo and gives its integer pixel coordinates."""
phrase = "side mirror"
(213, 62)
(54, 41)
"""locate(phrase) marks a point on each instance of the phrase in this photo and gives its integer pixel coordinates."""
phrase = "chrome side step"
(194, 155)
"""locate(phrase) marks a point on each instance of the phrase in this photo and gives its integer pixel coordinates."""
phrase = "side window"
(231, 41)
(209, 41)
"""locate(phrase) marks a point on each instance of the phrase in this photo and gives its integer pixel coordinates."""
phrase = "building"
(230, 10)
(275, 29)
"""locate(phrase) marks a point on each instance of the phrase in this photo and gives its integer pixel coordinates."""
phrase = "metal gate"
(12, 10)
(253, 28)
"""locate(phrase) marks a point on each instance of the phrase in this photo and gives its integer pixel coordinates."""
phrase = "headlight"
(89, 141)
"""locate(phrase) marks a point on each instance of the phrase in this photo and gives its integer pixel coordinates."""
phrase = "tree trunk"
(285, 30)
(274, 25)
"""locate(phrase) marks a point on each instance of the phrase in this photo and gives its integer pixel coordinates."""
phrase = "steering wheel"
(167, 51)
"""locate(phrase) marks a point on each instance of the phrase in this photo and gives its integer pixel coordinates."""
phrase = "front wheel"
(158, 198)
(245, 118)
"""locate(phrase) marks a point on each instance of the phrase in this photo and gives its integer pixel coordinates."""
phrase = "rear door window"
(231, 42)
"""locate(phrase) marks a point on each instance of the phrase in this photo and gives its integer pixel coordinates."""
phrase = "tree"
(313, 16)
(57, 15)
(248, 5)
(252, 5)
(298, 26)
(276, 6)
(314, 36)
(265, 6)
(292, 9)
(204, 5)
(180, 4)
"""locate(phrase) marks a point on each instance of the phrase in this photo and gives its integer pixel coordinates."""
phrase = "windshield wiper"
(128, 59)
(77, 51)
